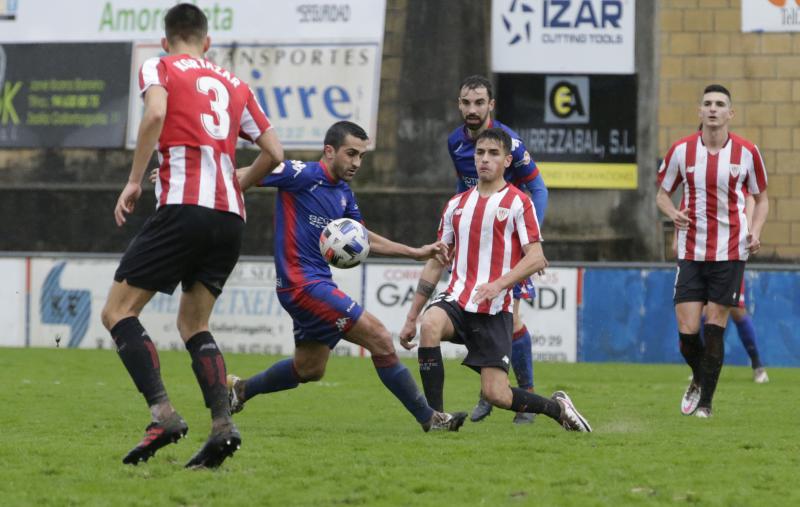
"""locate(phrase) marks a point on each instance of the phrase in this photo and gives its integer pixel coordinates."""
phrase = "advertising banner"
(68, 295)
(228, 20)
(551, 318)
(563, 36)
(581, 130)
(770, 16)
(63, 95)
(12, 294)
(303, 87)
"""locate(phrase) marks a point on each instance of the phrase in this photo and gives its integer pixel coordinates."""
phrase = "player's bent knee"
(497, 395)
(430, 334)
(311, 374)
(110, 315)
(380, 344)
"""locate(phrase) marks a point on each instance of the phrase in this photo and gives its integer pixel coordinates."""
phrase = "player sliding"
(495, 236)
(311, 194)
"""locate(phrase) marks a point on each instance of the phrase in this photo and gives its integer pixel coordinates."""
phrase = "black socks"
(209, 368)
(139, 355)
(432, 372)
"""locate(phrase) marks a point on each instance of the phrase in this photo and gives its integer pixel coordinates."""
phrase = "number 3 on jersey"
(218, 127)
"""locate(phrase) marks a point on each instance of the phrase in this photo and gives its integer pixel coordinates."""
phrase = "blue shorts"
(525, 290)
(320, 312)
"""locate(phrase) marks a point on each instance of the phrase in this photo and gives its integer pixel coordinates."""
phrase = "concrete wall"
(701, 42)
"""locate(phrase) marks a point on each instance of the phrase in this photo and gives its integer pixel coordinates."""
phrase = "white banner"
(304, 88)
(241, 20)
(67, 297)
(770, 16)
(12, 294)
(551, 318)
(555, 36)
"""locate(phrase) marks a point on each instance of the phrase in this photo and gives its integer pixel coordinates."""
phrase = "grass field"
(68, 416)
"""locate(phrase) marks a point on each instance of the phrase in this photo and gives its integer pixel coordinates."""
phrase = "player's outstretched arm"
(430, 276)
(383, 246)
(532, 262)
(155, 111)
(271, 155)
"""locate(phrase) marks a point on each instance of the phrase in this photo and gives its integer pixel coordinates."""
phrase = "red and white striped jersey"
(714, 193)
(488, 234)
(208, 108)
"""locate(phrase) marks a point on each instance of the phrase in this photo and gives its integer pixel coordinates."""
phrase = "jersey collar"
(327, 172)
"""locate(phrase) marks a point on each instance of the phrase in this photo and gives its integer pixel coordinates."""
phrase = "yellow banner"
(583, 175)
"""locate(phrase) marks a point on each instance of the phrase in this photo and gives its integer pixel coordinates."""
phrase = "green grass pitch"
(68, 416)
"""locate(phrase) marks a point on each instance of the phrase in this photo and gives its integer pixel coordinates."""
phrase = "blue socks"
(522, 358)
(747, 334)
(399, 381)
(278, 377)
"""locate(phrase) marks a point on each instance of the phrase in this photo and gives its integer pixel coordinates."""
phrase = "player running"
(311, 194)
(195, 110)
(713, 166)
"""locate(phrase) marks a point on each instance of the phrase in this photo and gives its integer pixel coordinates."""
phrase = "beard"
(474, 122)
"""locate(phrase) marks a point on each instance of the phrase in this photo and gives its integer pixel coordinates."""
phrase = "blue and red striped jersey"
(308, 198)
(462, 150)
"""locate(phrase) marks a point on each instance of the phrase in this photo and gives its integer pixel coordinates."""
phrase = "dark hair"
(186, 22)
(719, 89)
(341, 129)
(476, 81)
(496, 134)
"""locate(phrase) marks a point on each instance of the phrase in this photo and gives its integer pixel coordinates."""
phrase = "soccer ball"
(344, 243)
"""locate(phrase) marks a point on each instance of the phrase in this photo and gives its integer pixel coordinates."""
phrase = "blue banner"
(627, 315)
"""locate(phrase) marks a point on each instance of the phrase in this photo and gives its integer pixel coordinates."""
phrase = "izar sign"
(556, 36)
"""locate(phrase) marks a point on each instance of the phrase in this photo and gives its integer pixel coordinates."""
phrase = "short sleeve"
(254, 120)
(526, 222)
(290, 175)
(152, 73)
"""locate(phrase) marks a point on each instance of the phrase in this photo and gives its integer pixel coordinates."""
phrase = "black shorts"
(184, 244)
(718, 282)
(487, 337)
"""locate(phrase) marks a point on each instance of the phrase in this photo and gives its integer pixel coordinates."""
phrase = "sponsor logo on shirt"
(317, 221)
(297, 166)
(342, 323)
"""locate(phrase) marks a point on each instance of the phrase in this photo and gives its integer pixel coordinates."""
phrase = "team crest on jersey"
(526, 158)
(735, 170)
(502, 213)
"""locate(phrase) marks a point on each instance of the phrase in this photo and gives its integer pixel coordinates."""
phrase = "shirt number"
(217, 125)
